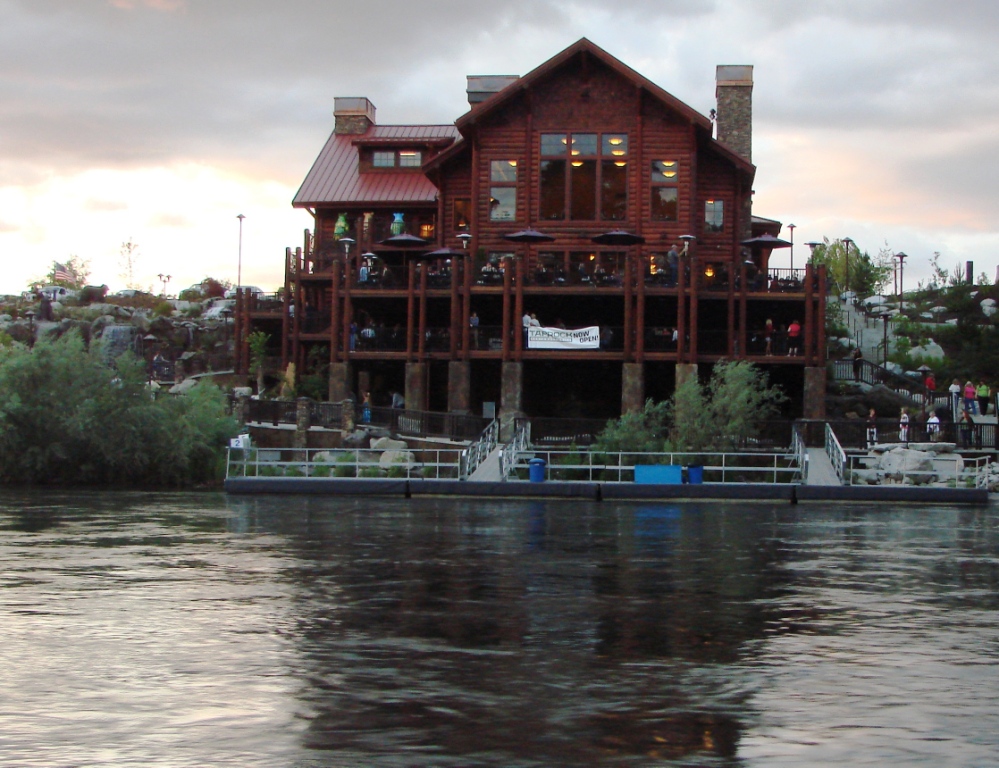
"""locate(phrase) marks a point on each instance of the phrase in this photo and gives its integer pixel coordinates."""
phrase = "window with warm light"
(410, 158)
(503, 190)
(665, 190)
(462, 214)
(391, 158)
(583, 177)
(714, 215)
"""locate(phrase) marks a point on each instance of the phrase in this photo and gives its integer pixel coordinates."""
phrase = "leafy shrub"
(345, 465)
(66, 418)
(321, 470)
(163, 309)
(369, 472)
(294, 471)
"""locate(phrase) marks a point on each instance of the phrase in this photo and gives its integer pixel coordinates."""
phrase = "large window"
(503, 190)
(584, 177)
(665, 195)
(462, 214)
(714, 215)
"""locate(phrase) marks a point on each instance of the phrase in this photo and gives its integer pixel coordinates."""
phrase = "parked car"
(231, 293)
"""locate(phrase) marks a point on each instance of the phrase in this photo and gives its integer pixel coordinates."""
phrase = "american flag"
(62, 272)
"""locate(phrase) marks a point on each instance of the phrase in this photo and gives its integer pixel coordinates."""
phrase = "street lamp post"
(885, 317)
(791, 230)
(239, 264)
(847, 242)
(164, 279)
(901, 256)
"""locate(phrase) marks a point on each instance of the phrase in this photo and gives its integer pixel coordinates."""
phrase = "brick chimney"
(734, 97)
(354, 115)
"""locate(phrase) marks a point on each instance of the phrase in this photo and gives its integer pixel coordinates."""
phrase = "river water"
(200, 630)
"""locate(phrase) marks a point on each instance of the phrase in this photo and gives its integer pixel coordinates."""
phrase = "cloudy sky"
(158, 121)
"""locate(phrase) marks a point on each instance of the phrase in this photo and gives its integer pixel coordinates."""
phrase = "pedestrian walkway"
(489, 470)
(820, 469)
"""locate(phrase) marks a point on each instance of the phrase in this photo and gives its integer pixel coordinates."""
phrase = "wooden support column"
(335, 315)
(284, 313)
(820, 322)
(743, 335)
(455, 309)
(506, 314)
(809, 334)
(640, 312)
(694, 290)
(681, 309)
(410, 309)
(518, 311)
(629, 310)
(348, 308)
(730, 331)
(466, 332)
(422, 341)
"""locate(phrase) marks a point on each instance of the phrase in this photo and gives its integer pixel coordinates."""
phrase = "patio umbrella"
(766, 241)
(444, 253)
(618, 237)
(404, 241)
(529, 236)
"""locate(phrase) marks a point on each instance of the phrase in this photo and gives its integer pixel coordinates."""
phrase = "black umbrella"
(618, 237)
(766, 241)
(404, 241)
(444, 253)
(529, 236)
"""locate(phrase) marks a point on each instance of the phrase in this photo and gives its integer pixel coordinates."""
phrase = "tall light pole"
(812, 246)
(847, 242)
(239, 265)
(791, 228)
(901, 256)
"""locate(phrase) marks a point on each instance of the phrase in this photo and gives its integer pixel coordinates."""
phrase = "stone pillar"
(340, 375)
(632, 388)
(511, 397)
(459, 386)
(302, 423)
(241, 409)
(684, 371)
(416, 386)
(814, 405)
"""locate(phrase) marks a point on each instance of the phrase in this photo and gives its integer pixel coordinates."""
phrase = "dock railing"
(835, 452)
(436, 464)
(475, 453)
(520, 443)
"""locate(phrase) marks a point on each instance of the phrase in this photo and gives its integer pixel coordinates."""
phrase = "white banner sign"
(560, 338)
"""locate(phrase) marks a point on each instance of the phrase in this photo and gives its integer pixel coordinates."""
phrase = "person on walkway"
(398, 401)
(793, 338)
(931, 389)
(983, 392)
(967, 425)
(872, 428)
(969, 397)
(673, 263)
(768, 337)
(473, 323)
(955, 390)
(933, 426)
(903, 426)
(366, 409)
(858, 362)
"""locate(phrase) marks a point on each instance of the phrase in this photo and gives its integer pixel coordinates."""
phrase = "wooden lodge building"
(411, 281)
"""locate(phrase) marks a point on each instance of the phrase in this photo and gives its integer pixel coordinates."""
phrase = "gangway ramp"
(820, 469)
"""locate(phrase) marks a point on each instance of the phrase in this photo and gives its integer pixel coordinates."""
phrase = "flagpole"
(239, 266)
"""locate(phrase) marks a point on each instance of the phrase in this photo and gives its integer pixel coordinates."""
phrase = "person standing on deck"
(983, 392)
(955, 398)
(872, 428)
(858, 361)
(793, 338)
(903, 426)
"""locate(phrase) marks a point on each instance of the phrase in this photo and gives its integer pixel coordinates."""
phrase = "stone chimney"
(734, 97)
(481, 87)
(353, 115)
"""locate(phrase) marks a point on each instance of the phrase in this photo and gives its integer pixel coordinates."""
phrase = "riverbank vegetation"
(723, 415)
(66, 418)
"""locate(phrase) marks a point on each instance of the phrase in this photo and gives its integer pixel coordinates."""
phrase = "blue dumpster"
(537, 470)
(695, 473)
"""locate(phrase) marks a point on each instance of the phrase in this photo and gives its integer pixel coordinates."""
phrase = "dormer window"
(396, 158)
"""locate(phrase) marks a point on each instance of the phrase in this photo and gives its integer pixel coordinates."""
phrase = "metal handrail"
(800, 449)
(473, 455)
(512, 450)
(835, 452)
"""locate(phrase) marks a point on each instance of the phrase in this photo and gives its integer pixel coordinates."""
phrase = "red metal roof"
(334, 177)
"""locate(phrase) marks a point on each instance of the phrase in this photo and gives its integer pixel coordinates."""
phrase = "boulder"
(324, 457)
(183, 387)
(388, 444)
(988, 307)
(391, 459)
(242, 391)
(357, 439)
(902, 462)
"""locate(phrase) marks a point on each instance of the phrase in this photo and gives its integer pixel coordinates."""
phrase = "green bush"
(163, 309)
(294, 471)
(369, 472)
(345, 465)
(321, 470)
(66, 418)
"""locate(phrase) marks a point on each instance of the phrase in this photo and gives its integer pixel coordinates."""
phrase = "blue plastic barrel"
(537, 470)
(695, 472)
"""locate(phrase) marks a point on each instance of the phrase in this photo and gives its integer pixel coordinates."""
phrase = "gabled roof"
(585, 46)
(334, 176)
